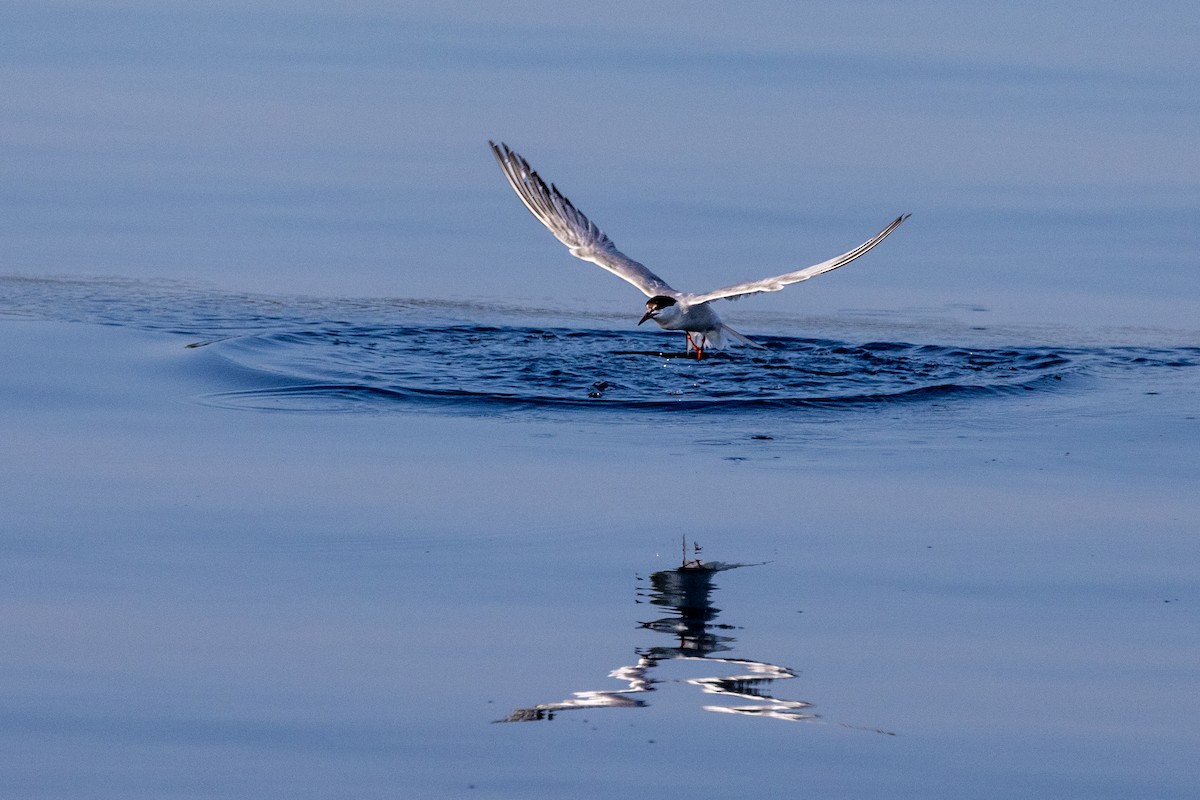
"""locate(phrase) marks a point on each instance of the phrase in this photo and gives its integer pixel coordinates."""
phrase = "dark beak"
(648, 315)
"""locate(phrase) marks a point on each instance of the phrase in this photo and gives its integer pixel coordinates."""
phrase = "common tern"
(672, 310)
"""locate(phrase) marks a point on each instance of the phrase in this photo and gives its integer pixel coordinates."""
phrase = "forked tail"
(739, 338)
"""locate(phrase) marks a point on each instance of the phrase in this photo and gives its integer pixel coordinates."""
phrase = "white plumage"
(671, 309)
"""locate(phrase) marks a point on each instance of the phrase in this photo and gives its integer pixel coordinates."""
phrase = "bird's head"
(660, 308)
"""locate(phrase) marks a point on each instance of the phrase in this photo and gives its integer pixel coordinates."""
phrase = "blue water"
(339, 355)
(319, 456)
(476, 367)
(1049, 166)
(471, 514)
(694, 635)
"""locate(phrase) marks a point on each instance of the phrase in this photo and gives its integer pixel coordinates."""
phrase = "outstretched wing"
(571, 227)
(780, 281)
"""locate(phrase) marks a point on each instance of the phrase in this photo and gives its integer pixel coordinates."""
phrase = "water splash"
(509, 367)
(322, 354)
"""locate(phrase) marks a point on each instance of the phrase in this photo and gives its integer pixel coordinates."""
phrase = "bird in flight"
(671, 309)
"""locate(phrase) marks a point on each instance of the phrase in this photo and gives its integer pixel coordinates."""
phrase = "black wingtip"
(499, 156)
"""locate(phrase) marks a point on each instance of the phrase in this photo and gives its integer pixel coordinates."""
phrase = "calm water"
(950, 549)
(327, 472)
(1049, 166)
(945, 552)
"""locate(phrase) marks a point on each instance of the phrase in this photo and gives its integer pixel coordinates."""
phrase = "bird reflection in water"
(686, 592)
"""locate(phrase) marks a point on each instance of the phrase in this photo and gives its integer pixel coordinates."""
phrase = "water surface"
(320, 456)
(467, 514)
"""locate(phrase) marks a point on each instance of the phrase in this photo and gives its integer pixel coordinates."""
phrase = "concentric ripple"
(498, 367)
(331, 354)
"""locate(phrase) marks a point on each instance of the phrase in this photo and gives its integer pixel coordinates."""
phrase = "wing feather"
(779, 281)
(569, 225)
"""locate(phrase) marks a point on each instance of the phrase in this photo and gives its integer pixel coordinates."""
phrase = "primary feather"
(571, 227)
(779, 281)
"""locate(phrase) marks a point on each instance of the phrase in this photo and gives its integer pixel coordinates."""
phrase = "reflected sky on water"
(1046, 152)
(203, 601)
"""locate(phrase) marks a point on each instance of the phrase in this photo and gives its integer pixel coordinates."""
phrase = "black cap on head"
(656, 303)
